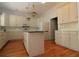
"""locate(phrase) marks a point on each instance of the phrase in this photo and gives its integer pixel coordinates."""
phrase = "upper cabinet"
(60, 20)
(0, 20)
(63, 15)
(12, 20)
(15, 20)
(4, 19)
(73, 13)
(67, 13)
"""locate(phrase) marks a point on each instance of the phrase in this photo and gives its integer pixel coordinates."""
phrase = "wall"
(15, 19)
(45, 19)
(16, 22)
(53, 12)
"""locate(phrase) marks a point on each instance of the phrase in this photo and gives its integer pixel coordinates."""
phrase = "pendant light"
(34, 13)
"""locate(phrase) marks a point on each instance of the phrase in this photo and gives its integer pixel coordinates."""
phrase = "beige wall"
(44, 20)
(53, 12)
(16, 21)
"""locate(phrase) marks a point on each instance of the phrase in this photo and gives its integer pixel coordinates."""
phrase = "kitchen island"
(34, 42)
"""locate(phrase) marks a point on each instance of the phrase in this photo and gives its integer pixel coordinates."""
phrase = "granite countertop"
(35, 31)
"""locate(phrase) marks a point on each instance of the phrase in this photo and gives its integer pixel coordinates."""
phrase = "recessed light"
(43, 2)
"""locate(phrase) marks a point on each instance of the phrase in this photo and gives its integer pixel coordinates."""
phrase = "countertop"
(36, 31)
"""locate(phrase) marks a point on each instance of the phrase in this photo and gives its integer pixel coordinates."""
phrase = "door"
(54, 27)
(74, 40)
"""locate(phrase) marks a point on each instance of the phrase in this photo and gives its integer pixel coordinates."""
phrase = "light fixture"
(43, 2)
(34, 13)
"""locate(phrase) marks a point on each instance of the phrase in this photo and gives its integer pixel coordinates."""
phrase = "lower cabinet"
(58, 37)
(68, 39)
(65, 39)
(62, 38)
(3, 39)
(74, 41)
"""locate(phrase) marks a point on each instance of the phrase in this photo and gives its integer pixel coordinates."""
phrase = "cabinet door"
(4, 19)
(66, 39)
(19, 20)
(0, 20)
(58, 37)
(74, 40)
(16, 20)
(73, 12)
(3, 39)
(78, 42)
(12, 20)
(65, 13)
(59, 13)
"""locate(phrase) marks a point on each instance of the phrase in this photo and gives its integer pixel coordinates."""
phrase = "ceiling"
(26, 7)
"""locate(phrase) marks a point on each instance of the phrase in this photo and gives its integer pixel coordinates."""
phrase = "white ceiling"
(27, 6)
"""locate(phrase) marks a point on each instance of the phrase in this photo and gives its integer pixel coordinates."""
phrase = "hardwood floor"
(54, 50)
(16, 49)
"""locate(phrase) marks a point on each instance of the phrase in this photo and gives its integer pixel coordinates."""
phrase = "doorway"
(54, 27)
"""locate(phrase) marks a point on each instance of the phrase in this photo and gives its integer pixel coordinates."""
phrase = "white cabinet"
(62, 38)
(67, 13)
(63, 15)
(68, 16)
(3, 39)
(19, 20)
(0, 20)
(65, 39)
(69, 39)
(4, 19)
(58, 36)
(59, 13)
(73, 14)
(12, 20)
(15, 20)
(74, 41)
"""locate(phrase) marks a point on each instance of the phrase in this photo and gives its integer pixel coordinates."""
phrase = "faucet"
(25, 26)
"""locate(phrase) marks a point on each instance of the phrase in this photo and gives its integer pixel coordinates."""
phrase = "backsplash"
(19, 28)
